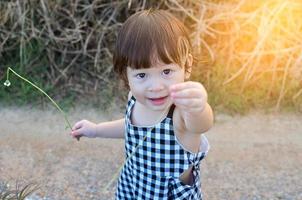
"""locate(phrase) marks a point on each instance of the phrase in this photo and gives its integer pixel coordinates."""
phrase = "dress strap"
(171, 110)
(132, 98)
(130, 104)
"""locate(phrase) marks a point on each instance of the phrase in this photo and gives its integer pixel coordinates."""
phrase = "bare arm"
(199, 122)
(111, 129)
(191, 99)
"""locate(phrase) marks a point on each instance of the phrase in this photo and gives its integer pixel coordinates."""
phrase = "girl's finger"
(76, 133)
(188, 108)
(76, 136)
(73, 133)
(189, 103)
(77, 125)
(184, 85)
(187, 93)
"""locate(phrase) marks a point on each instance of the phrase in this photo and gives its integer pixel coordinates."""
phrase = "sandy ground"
(257, 156)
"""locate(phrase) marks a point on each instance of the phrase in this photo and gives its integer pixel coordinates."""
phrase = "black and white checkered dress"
(153, 171)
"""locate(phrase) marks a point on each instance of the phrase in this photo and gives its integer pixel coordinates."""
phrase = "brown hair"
(150, 34)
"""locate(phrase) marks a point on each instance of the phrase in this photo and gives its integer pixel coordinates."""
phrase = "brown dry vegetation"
(248, 52)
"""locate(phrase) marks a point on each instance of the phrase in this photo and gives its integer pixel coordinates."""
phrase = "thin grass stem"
(42, 91)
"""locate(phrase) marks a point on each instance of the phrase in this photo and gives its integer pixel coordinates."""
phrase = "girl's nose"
(156, 86)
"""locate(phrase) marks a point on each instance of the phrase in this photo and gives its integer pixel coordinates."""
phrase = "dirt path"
(253, 157)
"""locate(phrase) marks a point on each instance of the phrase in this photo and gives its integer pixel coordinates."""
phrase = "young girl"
(166, 114)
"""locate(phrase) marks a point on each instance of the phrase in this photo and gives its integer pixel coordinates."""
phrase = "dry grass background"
(249, 52)
(64, 45)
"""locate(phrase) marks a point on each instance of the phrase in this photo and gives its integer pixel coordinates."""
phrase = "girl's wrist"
(96, 131)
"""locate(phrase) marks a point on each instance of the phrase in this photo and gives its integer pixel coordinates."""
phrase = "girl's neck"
(143, 116)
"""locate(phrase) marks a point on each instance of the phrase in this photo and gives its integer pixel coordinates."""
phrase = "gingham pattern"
(153, 170)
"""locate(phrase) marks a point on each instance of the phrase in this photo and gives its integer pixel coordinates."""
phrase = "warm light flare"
(255, 41)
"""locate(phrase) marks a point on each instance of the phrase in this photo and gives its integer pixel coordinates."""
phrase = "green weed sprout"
(7, 84)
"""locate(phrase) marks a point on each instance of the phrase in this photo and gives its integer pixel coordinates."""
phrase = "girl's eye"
(167, 71)
(140, 75)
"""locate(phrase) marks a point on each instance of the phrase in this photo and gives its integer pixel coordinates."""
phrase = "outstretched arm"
(191, 99)
(110, 129)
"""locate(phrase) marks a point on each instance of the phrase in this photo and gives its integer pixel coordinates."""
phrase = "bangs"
(147, 37)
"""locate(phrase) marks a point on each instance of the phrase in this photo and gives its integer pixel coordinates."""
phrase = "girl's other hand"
(84, 128)
(189, 96)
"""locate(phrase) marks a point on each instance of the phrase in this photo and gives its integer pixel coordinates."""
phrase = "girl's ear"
(189, 63)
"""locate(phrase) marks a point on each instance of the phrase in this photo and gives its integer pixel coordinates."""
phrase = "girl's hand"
(189, 96)
(84, 128)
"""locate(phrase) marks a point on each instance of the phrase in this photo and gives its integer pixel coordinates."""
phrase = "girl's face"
(150, 86)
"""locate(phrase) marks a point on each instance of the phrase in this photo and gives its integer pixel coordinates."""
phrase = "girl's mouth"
(158, 101)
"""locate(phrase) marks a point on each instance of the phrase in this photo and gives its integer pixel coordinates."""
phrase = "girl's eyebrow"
(160, 67)
(170, 65)
(137, 70)
(140, 69)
